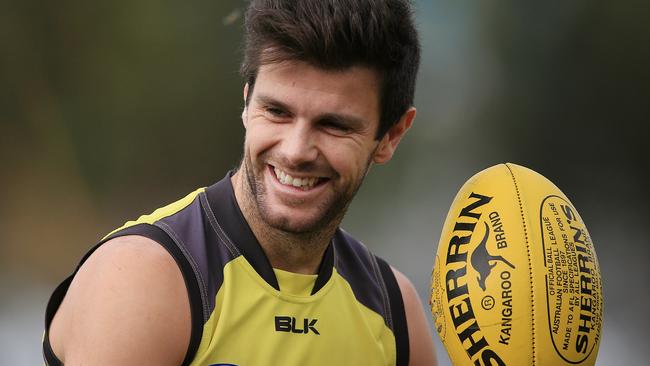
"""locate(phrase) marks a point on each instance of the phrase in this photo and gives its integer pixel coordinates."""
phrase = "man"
(254, 270)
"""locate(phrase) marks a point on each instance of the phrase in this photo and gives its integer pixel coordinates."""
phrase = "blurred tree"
(575, 88)
(110, 108)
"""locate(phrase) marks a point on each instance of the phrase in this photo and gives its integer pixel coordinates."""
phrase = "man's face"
(309, 142)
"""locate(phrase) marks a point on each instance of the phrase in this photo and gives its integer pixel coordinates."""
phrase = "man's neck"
(298, 253)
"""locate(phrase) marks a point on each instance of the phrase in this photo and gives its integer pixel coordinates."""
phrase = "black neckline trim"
(222, 201)
(325, 267)
(400, 326)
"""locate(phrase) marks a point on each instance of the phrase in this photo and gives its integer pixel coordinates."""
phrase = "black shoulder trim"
(400, 327)
(48, 355)
(359, 268)
(52, 306)
(158, 235)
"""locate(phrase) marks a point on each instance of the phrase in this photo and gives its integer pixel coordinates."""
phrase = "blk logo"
(288, 324)
(483, 261)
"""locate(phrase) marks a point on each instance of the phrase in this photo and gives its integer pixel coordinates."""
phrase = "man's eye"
(335, 126)
(275, 112)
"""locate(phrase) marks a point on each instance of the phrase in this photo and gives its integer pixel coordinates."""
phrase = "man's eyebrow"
(269, 100)
(347, 120)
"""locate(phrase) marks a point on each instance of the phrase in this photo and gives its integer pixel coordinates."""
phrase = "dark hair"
(337, 34)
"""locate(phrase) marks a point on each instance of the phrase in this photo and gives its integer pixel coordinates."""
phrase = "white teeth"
(286, 179)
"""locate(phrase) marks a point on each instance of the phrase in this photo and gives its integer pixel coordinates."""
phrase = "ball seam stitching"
(530, 268)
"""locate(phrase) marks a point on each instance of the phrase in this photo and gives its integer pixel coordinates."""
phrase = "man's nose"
(299, 143)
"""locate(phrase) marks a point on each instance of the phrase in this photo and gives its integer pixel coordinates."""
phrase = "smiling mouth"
(304, 183)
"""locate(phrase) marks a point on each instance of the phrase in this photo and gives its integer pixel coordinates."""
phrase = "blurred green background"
(110, 109)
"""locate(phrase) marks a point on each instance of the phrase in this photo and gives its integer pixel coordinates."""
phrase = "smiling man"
(254, 270)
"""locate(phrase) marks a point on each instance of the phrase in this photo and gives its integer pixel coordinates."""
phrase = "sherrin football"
(516, 280)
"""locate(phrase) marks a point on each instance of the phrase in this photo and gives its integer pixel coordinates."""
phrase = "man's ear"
(391, 139)
(244, 116)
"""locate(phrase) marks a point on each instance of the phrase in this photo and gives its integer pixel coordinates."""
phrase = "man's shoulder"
(129, 269)
(128, 293)
(351, 249)
(369, 276)
(129, 250)
(139, 276)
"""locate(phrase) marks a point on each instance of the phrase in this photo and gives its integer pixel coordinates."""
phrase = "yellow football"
(516, 280)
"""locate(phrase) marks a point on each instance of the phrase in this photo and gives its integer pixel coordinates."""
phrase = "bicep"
(127, 305)
(421, 346)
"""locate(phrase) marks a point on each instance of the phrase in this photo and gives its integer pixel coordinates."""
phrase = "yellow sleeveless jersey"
(246, 313)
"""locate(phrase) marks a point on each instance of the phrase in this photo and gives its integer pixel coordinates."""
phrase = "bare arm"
(421, 349)
(127, 305)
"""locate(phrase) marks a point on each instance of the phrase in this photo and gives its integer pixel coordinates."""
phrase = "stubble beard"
(331, 210)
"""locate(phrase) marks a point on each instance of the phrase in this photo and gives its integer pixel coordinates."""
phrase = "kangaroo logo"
(481, 259)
